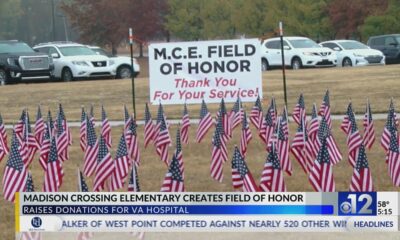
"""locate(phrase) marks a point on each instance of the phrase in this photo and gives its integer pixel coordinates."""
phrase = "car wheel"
(264, 65)
(66, 75)
(124, 72)
(347, 62)
(3, 77)
(296, 63)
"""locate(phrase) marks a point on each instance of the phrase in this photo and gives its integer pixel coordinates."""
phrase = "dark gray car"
(388, 44)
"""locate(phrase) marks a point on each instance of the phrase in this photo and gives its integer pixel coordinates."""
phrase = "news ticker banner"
(188, 72)
(207, 212)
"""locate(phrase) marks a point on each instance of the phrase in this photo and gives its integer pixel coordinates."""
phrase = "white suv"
(123, 64)
(73, 60)
(299, 52)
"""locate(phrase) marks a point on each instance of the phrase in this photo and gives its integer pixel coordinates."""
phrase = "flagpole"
(133, 72)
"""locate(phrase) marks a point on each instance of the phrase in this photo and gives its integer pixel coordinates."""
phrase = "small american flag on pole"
(15, 173)
(236, 114)
(325, 109)
(131, 139)
(29, 183)
(256, 114)
(28, 142)
(63, 136)
(218, 156)
(272, 177)
(45, 148)
(82, 130)
(369, 130)
(127, 118)
(226, 123)
(4, 150)
(105, 128)
(267, 127)
(178, 152)
(133, 185)
(39, 126)
(205, 123)
(82, 187)
(283, 147)
(245, 136)
(173, 181)
(91, 151)
(105, 166)
(354, 140)
(324, 134)
(149, 131)
(393, 157)
(185, 125)
(53, 174)
(390, 123)
(299, 111)
(361, 181)
(302, 149)
(321, 175)
(121, 166)
(241, 176)
(163, 139)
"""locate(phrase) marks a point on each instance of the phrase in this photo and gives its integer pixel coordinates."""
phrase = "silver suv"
(299, 52)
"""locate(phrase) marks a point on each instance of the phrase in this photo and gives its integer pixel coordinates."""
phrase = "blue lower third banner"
(208, 212)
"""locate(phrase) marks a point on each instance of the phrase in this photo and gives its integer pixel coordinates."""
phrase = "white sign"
(210, 70)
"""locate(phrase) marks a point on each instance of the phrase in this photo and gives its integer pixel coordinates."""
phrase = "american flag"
(272, 177)
(283, 147)
(361, 181)
(256, 114)
(325, 109)
(324, 133)
(241, 176)
(121, 166)
(369, 130)
(302, 149)
(63, 136)
(173, 181)
(312, 130)
(218, 156)
(226, 123)
(299, 111)
(29, 183)
(393, 157)
(245, 136)
(178, 153)
(19, 127)
(185, 125)
(267, 127)
(53, 175)
(82, 187)
(91, 150)
(127, 118)
(236, 114)
(149, 131)
(104, 167)
(50, 123)
(131, 139)
(4, 150)
(45, 148)
(390, 123)
(321, 175)
(354, 140)
(274, 112)
(105, 128)
(205, 123)
(28, 142)
(15, 173)
(82, 130)
(91, 115)
(163, 140)
(133, 185)
(39, 126)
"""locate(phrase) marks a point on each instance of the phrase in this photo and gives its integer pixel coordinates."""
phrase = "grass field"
(377, 83)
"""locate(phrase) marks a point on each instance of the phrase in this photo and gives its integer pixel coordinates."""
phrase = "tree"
(105, 23)
(347, 17)
(385, 23)
(10, 10)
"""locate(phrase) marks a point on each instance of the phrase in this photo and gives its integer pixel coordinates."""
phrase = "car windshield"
(76, 51)
(353, 45)
(101, 51)
(15, 47)
(304, 43)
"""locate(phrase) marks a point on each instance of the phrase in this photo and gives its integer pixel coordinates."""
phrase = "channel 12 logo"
(36, 222)
(357, 204)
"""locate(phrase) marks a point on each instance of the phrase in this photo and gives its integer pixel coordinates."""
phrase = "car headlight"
(11, 61)
(80, 63)
(111, 62)
(308, 53)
